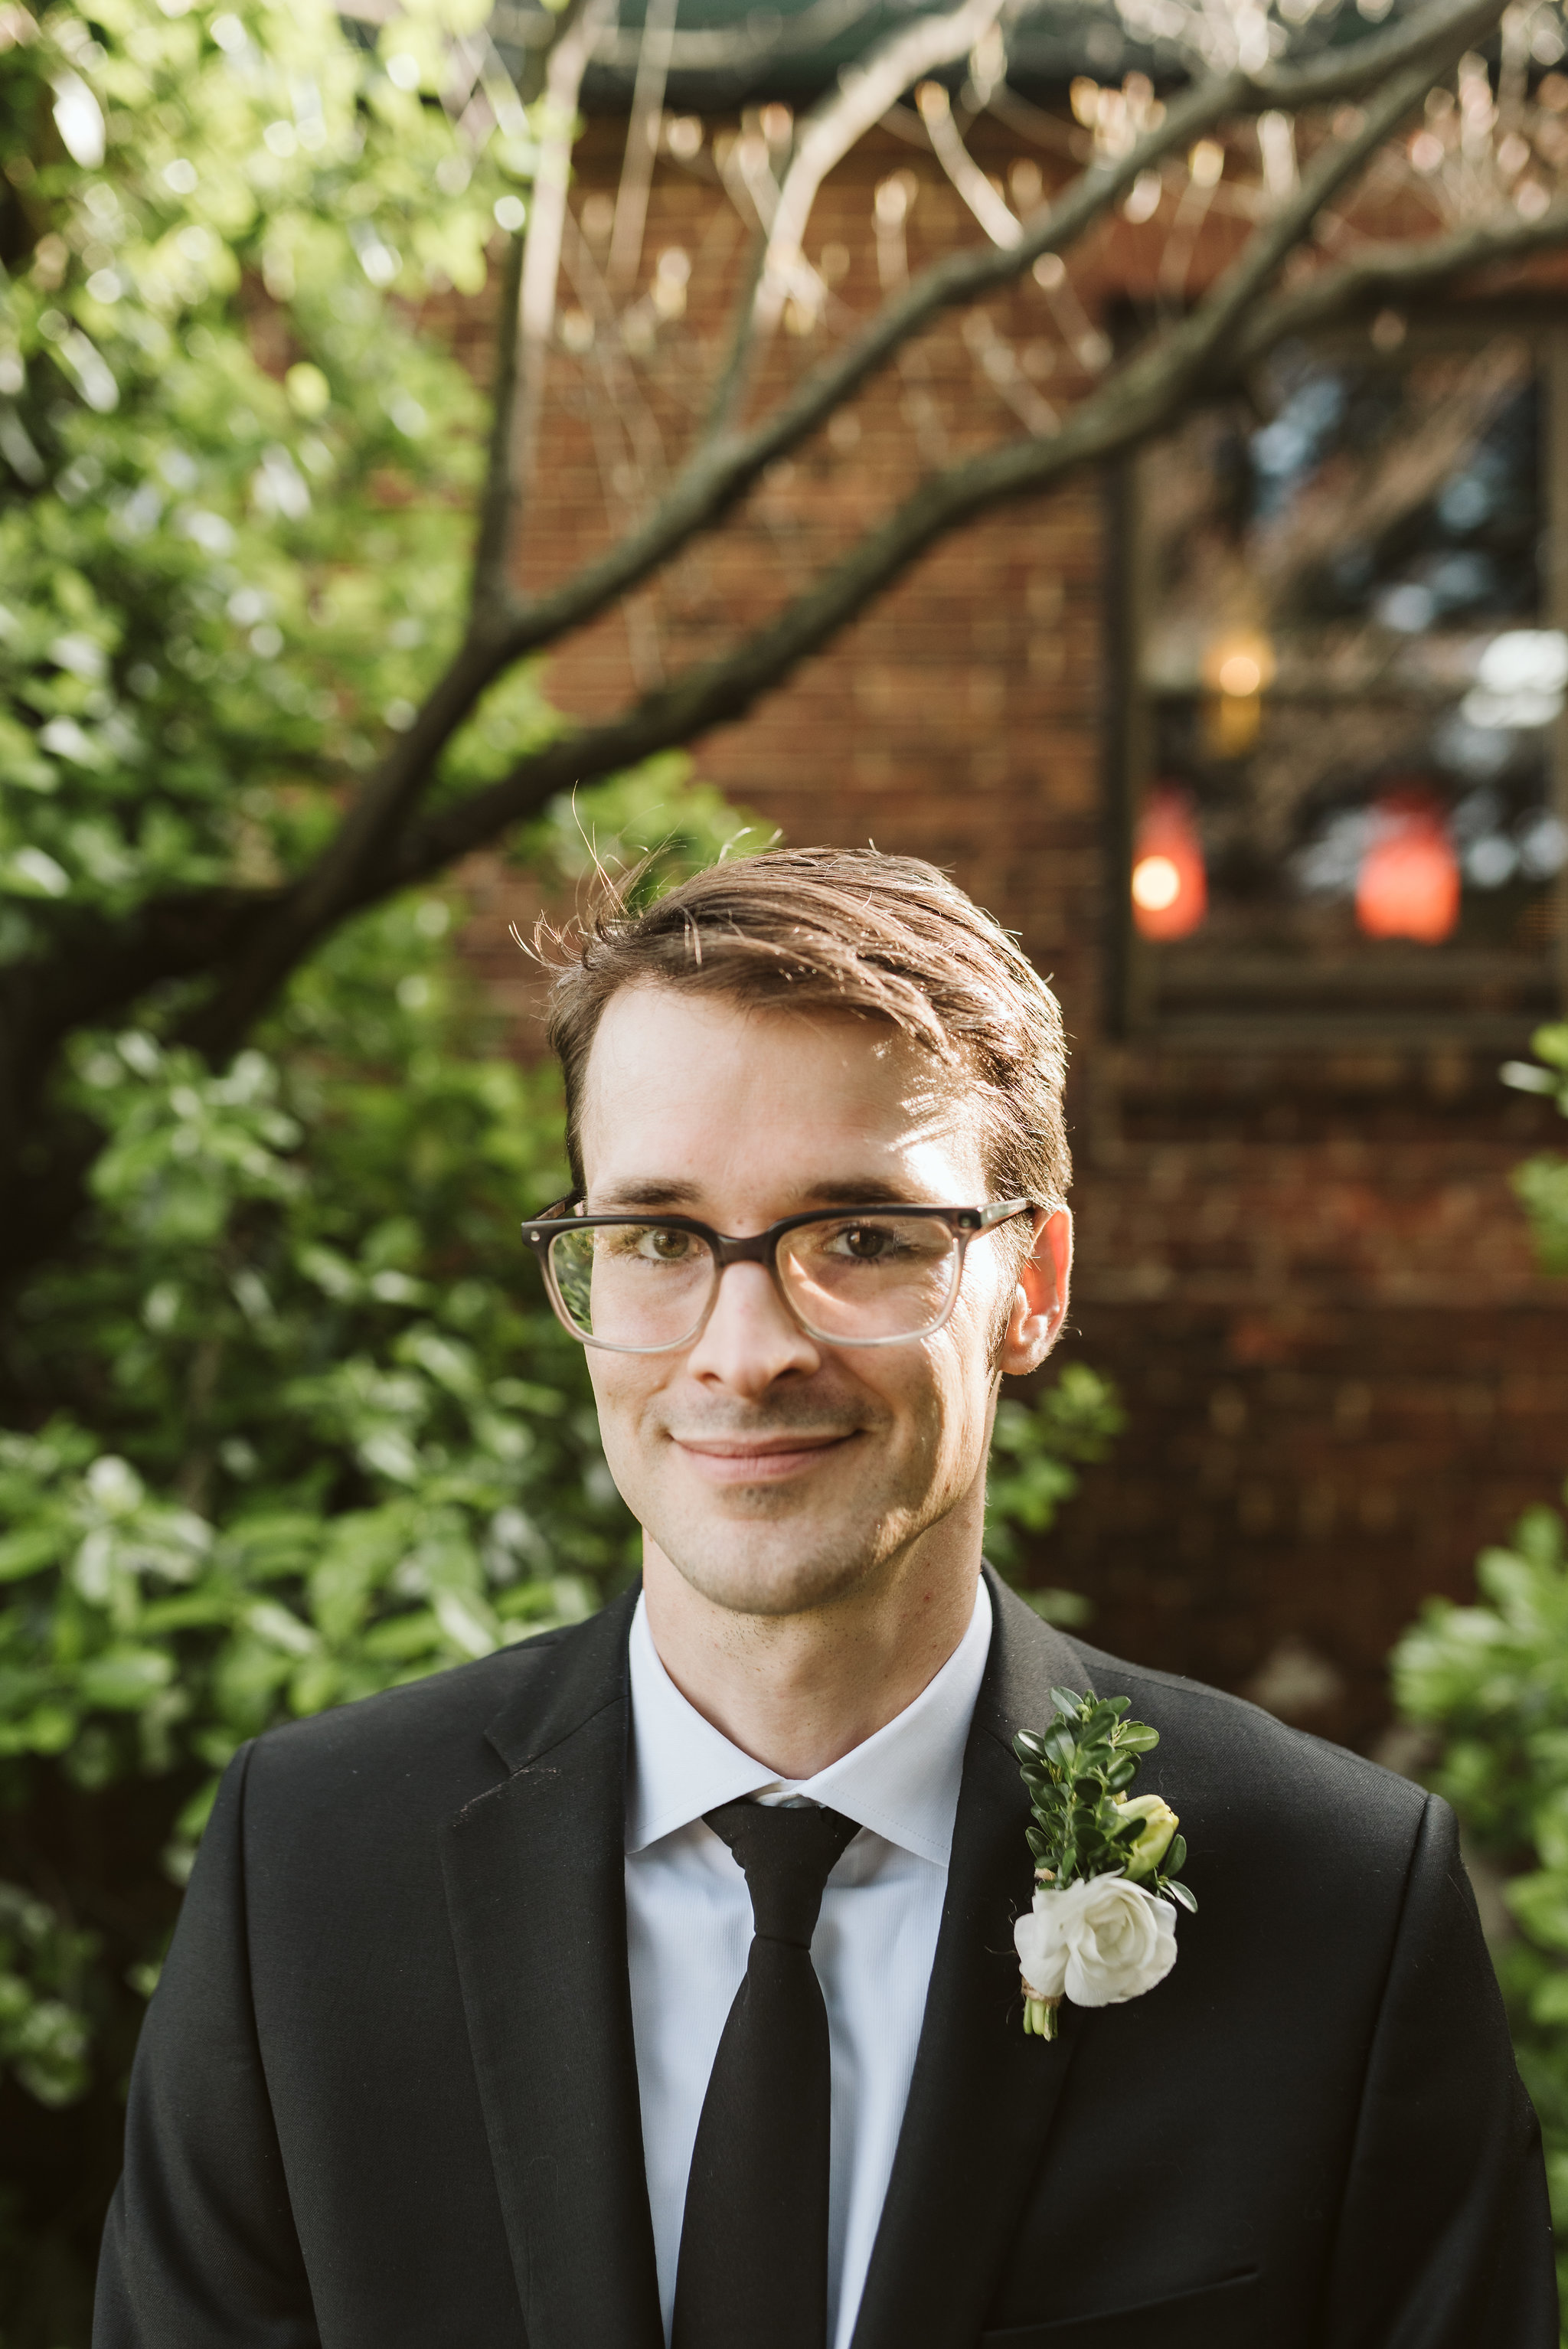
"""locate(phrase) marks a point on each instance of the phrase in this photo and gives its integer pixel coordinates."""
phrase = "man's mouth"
(762, 1459)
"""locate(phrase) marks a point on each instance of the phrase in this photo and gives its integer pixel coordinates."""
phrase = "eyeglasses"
(848, 1276)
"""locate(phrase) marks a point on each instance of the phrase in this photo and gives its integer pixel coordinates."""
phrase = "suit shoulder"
(512, 1704)
(457, 1696)
(1262, 1777)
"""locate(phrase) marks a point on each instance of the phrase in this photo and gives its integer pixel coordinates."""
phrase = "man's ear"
(1040, 1299)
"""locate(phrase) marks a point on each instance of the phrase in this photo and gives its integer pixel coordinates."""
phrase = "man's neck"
(797, 1691)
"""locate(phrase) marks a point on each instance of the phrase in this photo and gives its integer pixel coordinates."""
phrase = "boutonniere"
(1102, 1929)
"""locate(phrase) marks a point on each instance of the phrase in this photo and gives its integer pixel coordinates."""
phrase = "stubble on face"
(801, 1545)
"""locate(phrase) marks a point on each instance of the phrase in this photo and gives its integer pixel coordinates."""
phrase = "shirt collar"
(902, 1783)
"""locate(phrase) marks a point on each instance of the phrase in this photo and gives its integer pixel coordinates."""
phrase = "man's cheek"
(623, 1432)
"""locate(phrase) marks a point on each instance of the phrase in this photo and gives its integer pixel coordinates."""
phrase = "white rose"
(1101, 1941)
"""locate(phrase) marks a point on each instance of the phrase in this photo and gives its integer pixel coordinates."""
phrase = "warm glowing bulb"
(1242, 674)
(1238, 670)
(1169, 888)
(1156, 884)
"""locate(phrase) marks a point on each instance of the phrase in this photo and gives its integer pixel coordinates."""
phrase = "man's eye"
(863, 1243)
(645, 1244)
(667, 1248)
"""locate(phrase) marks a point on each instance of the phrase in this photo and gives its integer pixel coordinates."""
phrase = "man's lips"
(760, 1459)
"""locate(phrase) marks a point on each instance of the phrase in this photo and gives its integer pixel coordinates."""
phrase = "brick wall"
(1306, 1273)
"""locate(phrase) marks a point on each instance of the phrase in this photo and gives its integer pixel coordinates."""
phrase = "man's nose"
(750, 1340)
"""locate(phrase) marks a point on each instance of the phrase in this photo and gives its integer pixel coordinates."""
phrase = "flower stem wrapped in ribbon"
(1103, 1926)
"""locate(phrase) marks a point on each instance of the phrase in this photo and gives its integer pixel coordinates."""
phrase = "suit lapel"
(983, 2095)
(536, 1897)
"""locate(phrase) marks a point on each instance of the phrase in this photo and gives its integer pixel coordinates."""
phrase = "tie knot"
(788, 1854)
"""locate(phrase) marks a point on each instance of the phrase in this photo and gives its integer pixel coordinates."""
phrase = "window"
(1341, 762)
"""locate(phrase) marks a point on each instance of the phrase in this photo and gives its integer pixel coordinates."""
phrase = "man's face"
(774, 1472)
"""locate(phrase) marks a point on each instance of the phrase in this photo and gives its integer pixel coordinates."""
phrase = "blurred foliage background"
(1489, 1685)
(288, 1420)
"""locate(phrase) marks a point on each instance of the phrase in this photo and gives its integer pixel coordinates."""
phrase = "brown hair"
(841, 929)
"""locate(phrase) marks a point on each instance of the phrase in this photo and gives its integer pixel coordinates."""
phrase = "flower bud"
(1159, 1824)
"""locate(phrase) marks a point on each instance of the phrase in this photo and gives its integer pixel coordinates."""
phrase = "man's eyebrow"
(858, 1190)
(647, 1192)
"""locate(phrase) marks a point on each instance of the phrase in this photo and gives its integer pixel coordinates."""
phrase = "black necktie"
(753, 2271)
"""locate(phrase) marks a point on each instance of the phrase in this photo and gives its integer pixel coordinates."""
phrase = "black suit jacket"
(387, 2095)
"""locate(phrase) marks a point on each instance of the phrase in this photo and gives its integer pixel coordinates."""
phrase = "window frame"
(1131, 970)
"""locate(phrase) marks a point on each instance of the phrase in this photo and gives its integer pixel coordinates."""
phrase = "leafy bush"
(1489, 1683)
(233, 542)
(1037, 1449)
(1541, 1182)
(1493, 1682)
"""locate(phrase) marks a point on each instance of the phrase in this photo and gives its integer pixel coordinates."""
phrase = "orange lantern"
(1169, 886)
(1408, 884)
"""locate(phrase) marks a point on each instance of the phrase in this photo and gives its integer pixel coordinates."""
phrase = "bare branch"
(493, 540)
(557, 130)
(1147, 394)
(1354, 71)
(723, 690)
(366, 858)
(831, 129)
(305, 913)
(1380, 273)
(1284, 229)
(642, 144)
(1000, 224)
(730, 386)
(620, 381)
(721, 472)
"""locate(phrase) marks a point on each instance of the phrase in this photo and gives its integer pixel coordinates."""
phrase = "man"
(655, 1980)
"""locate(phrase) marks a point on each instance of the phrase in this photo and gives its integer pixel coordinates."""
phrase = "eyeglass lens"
(852, 1280)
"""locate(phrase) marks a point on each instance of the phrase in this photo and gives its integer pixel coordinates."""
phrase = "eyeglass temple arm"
(557, 1208)
(1003, 1212)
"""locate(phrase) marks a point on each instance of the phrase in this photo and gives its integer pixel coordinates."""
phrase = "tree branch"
(723, 470)
(581, 24)
(730, 386)
(1277, 236)
(307, 912)
(1382, 271)
(491, 586)
(1145, 396)
(642, 144)
(1000, 223)
(364, 859)
(831, 129)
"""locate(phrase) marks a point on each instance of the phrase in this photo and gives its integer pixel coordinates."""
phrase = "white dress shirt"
(688, 1921)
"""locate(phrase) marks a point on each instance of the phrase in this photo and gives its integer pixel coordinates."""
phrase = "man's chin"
(742, 1570)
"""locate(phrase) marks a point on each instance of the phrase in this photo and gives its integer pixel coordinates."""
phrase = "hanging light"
(1239, 668)
(1409, 883)
(1169, 886)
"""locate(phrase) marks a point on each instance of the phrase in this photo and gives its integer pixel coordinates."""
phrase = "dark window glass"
(1350, 693)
